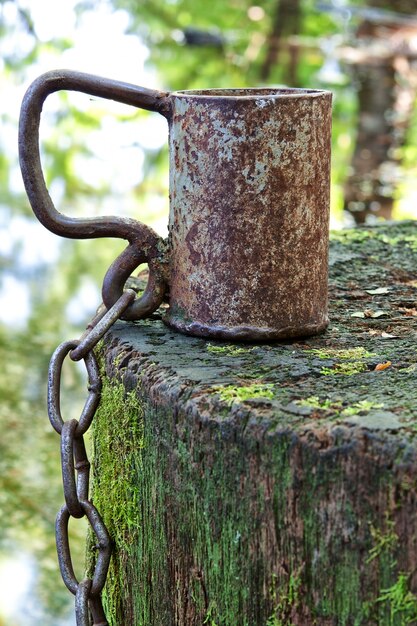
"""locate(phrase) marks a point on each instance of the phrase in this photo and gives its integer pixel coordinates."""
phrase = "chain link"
(76, 466)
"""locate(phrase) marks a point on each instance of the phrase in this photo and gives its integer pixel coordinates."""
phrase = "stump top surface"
(355, 380)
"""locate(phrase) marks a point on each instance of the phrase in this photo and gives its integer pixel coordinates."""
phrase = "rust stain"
(249, 178)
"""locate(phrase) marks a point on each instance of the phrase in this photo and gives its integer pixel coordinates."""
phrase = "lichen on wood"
(274, 484)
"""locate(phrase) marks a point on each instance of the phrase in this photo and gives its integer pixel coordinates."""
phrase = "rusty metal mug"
(246, 257)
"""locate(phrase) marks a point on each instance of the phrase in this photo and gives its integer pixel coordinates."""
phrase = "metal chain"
(76, 466)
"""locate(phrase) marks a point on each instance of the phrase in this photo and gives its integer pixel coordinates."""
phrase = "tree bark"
(268, 485)
(286, 22)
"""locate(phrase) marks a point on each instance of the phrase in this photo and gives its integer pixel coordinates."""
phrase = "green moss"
(286, 599)
(328, 405)
(360, 235)
(209, 620)
(363, 406)
(342, 354)
(409, 240)
(408, 370)
(354, 358)
(400, 601)
(385, 540)
(345, 369)
(228, 350)
(117, 437)
(314, 402)
(385, 607)
(334, 576)
(232, 393)
(352, 235)
(203, 512)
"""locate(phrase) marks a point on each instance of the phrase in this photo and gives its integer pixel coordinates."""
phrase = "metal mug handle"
(145, 246)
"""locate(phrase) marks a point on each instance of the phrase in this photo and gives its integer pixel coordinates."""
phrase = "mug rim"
(251, 93)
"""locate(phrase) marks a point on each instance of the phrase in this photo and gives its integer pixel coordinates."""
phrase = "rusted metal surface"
(54, 388)
(75, 465)
(145, 245)
(249, 182)
(249, 188)
(104, 322)
(81, 603)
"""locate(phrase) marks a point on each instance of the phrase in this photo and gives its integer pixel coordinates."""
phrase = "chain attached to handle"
(145, 246)
(76, 466)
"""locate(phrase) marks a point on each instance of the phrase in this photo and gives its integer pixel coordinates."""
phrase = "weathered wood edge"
(184, 378)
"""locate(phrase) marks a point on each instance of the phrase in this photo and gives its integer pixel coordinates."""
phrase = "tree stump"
(267, 485)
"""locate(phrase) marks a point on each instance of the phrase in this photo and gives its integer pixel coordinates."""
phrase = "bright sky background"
(100, 47)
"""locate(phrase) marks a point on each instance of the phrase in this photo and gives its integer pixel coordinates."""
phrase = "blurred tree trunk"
(286, 22)
(386, 72)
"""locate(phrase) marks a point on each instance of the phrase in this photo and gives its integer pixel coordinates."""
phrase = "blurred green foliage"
(236, 55)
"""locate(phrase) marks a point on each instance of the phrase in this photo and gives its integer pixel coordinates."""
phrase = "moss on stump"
(269, 485)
